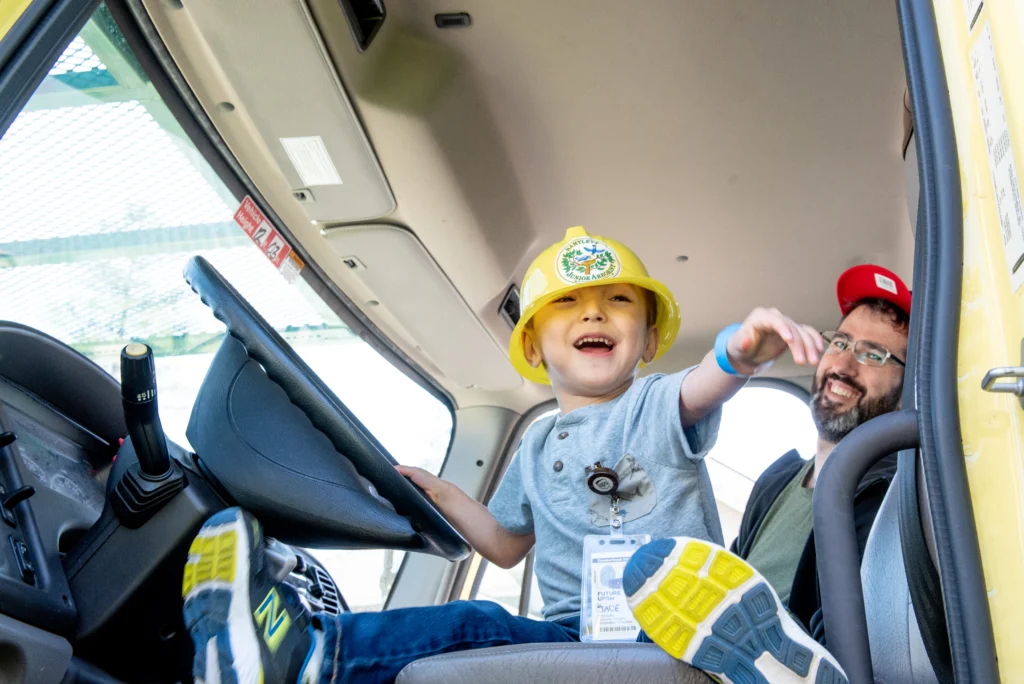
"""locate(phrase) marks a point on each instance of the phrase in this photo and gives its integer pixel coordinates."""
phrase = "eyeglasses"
(867, 353)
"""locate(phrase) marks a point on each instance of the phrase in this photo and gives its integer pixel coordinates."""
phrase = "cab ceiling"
(759, 140)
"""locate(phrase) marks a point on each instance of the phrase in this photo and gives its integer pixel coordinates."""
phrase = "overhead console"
(273, 59)
(392, 271)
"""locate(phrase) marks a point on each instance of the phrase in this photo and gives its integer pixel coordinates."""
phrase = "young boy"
(591, 316)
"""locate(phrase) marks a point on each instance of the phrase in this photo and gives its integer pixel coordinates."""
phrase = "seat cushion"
(555, 664)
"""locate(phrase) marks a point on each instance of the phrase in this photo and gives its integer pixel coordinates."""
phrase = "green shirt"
(783, 534)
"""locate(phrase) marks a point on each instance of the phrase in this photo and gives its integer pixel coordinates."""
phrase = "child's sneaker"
(247, 628)
(711, 609)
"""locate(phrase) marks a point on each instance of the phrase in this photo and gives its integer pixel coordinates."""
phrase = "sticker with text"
(254, 222)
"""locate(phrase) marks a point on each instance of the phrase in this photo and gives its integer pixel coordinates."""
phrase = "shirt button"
(563, 435)
(558, 466)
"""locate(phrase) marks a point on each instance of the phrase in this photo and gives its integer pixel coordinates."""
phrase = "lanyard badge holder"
(604, 613)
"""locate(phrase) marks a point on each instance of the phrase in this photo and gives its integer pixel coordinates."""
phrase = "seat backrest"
(897, 651)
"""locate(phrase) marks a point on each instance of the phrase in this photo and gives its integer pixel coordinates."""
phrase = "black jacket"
(804, 599)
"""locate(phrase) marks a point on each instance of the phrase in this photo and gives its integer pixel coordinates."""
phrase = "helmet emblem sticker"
(584, 260)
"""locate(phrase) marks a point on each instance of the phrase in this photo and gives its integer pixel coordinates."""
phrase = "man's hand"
(472, 519)
(766, 334)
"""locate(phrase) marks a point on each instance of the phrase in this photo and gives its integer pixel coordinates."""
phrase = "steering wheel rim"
(324, 409)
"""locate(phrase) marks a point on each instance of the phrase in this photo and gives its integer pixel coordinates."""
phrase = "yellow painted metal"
(991, 314)
(10, 10)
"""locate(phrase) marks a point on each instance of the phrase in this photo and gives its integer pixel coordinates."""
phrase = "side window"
(759, 425)
(105, 198)
(506, 587)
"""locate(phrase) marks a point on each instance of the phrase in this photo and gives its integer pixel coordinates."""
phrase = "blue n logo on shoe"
(274, 619)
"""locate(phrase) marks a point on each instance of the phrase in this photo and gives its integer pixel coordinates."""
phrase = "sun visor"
(284, 83)
(395, 271)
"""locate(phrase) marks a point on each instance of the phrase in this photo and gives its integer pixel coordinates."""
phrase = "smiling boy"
(591, 316)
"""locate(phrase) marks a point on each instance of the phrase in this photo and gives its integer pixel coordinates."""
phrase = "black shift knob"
(138, 397)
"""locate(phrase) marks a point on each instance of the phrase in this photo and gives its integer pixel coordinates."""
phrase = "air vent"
(452, 20)
(510, 306)
(364, 19)
(333, 603)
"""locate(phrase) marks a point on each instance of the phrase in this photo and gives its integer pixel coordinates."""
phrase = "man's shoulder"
(767, 488)
(787, 465)
(779, 473)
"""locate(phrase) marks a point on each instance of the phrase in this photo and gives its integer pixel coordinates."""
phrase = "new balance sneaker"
(709, 608)
(246, 628)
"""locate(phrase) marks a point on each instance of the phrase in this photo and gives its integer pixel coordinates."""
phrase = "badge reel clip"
(604, 613)
(605, 482)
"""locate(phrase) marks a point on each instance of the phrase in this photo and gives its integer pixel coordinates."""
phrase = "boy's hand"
(472, 519)
(431, 484)
(766, 334)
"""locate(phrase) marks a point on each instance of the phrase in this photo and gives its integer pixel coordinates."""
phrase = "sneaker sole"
(708, 607)
(217, 611)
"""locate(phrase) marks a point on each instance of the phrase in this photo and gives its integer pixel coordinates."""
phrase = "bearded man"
(860, 377)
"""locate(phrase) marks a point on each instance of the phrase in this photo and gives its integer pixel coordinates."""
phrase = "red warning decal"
(255, 224)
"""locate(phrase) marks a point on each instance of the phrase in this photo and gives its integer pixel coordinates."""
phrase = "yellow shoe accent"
(210, 558)
(701, 602)
(671, 614)
(674, 636)
(652, 612)
(729, 570)
(694, 556)
(272, 617)
(678, 584)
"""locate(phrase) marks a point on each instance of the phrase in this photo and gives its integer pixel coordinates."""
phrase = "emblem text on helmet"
(584, 260)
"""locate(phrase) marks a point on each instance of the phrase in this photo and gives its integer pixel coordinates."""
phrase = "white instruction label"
(291, 267)
(1006, 186)
(972, 8)
(312, 162)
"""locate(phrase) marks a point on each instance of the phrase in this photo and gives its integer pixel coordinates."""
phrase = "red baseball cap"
(868, 281)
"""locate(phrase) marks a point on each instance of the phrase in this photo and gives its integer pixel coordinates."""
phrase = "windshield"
(105, 199)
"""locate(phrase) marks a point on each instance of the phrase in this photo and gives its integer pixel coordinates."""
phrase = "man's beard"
(833, 423)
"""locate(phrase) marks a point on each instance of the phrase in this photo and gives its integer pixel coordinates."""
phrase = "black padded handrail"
(327, 413)
(945, 472)
(835, 535)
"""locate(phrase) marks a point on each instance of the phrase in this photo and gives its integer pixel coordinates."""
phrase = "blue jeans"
(374, 647)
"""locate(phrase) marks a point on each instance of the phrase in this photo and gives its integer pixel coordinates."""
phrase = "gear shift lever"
(147, 485)
(138, 397)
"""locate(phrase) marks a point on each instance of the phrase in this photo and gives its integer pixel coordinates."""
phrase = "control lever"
(154, 479)
(281, 560)
(138, 397)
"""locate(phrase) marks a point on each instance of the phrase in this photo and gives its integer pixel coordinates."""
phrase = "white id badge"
(604, 613)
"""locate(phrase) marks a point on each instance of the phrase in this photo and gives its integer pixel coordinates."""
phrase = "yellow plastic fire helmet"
(581, 260)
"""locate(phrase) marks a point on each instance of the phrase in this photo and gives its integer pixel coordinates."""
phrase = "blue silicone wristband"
(721, 349)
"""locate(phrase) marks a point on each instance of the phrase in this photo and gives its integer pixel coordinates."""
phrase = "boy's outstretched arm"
(762, 338)
(472, 519)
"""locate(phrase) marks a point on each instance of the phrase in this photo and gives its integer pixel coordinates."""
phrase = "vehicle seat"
(555, 664)
(897, 650)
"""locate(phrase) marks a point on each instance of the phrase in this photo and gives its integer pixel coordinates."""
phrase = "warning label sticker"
(1005, 178)
(255, 224)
